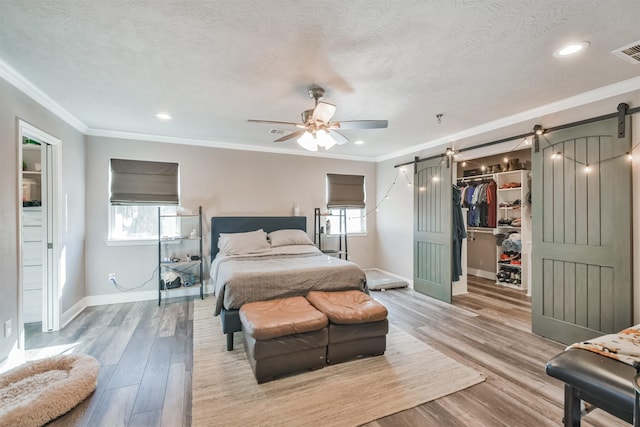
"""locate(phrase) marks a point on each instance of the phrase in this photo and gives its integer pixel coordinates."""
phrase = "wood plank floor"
(145, 352)
(488, 329)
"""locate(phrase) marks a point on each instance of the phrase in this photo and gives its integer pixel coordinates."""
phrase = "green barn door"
(432, 229)
(582, 284)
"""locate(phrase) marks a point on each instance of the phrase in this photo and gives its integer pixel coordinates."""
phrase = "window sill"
(132, 242)
(348, 235)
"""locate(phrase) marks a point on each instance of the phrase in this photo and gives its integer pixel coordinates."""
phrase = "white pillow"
(243, 243)
(289, 237)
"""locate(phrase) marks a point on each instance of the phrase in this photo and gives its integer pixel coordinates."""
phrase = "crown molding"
(599, 94)
(17, 80)
(224, 145)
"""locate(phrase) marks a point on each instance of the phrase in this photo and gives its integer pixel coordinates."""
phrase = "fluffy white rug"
(37, 392)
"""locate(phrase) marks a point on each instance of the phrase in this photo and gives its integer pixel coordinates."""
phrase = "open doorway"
(496, 200)
(38, 183)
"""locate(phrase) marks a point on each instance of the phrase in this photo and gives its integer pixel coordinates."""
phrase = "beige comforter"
(279, 273)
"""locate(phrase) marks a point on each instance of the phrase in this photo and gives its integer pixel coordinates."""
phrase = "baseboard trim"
(124, 297)
(490, 275)
(71, 314)
(409, 281)
(15, 358)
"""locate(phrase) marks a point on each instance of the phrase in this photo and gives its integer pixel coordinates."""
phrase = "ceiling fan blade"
(364, 124)
(290, 136)
(271, 122)
(323, 112)
(338, 137)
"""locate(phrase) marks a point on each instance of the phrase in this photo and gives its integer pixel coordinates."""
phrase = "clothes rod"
(479, 230)
(630, 112)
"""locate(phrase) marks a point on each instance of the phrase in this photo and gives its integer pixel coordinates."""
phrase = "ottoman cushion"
(265, 320)
(348, 307)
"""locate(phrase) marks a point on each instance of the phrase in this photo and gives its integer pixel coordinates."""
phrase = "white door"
(48, 184)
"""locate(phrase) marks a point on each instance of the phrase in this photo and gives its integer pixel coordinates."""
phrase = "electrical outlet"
(7, 328)
(112, 277)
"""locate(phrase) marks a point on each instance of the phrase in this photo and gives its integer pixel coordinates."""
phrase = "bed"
(270, 272)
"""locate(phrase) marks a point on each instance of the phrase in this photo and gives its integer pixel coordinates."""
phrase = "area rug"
(225, 391)
(378, 281)
(37, 392)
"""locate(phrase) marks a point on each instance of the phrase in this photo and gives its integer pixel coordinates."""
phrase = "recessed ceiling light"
(359, 142)
(570, 49)
(164, 116)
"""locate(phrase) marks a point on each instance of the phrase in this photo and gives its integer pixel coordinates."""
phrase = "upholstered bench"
(357, 324)
(283, 336)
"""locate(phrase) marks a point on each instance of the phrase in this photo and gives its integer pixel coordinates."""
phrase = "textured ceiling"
(214, 64)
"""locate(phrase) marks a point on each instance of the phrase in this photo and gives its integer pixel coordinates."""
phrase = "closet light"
(482, 168)
(422, 188)
(464, 164)
(506, 159)
(435, 178)
(629, 157)
(587, 169)
(556, 155)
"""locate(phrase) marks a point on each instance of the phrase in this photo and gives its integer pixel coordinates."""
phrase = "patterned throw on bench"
(623, 346)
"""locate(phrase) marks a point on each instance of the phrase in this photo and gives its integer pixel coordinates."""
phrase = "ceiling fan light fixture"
(324, 139)
(308, 142)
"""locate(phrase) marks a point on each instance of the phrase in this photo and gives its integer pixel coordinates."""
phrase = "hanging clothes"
(458, 234)
(492, 204)
(480, 199)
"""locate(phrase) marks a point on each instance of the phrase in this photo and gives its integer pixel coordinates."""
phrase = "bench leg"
(571, 407)
(229, 341)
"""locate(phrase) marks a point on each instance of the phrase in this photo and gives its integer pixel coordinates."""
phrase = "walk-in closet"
(496, 206)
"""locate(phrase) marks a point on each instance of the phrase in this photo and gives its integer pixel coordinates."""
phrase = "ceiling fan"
(317, 129)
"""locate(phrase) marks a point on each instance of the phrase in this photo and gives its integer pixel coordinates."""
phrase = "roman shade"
(345, 191)
(137, 182)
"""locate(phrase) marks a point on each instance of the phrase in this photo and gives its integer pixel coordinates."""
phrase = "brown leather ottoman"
(357, 324)
(283, 336)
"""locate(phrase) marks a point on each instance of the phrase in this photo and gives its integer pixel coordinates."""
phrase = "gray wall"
(394, 248)
(223, 182)
(16, 105)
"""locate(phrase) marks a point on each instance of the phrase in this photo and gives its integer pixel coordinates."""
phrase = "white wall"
(223, 182)
(16, 105)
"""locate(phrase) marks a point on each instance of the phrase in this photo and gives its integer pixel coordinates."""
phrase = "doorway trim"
(51, 294)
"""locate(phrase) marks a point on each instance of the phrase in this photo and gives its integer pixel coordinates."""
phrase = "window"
(140, 222)
(356, 221)
(137, 189)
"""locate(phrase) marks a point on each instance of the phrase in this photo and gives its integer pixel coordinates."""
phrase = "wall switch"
(7, 328)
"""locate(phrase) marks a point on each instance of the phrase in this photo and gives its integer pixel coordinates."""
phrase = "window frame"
(361, 213)
(143, 239)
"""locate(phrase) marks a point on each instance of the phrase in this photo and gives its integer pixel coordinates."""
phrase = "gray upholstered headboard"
(242, 224)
